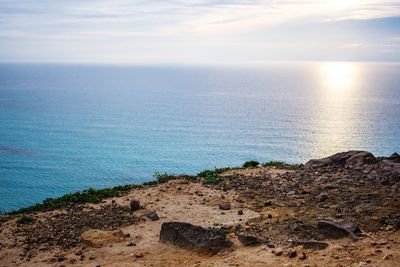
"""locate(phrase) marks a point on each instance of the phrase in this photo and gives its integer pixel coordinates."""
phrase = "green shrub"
(90, 195)
(25, 220)
(165, 177)
(216, 171)
(212, 176)
(279, 164)
(251, 164)
(211, 179)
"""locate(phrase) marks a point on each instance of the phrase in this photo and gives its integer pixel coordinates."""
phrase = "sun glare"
(339, 75)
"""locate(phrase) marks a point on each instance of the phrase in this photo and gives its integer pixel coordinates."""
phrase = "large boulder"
(395, 156)
(338, 230)
(193, 237)
(352, 158)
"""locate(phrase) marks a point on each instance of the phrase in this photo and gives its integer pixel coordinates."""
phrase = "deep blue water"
(64, 128)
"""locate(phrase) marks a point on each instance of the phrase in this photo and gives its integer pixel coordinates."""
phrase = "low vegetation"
(90, 195)
(251, 164)
(279, 164)
(165, 177)
(25, 220)
(212, 176)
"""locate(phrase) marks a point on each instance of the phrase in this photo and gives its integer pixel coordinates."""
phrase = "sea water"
(65, 128)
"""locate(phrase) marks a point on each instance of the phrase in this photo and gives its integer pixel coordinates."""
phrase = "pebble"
(292, 253)
(302, 256)
(225, 206)
(152, 216)
(139, 255)
(277, 252)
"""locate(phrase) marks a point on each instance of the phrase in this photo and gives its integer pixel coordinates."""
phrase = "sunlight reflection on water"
(337, 114)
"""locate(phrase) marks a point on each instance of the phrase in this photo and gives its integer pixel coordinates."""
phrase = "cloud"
(197, 26)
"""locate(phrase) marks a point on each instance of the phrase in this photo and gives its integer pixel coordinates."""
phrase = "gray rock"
(360, 158)
(333, 230)
(350, 158)
(291, 193)
(322, 197)
(249, 240)
(225, 206)
(192, 237)
(292, 253)
(152, 216)
(351, 226)
(394, 156)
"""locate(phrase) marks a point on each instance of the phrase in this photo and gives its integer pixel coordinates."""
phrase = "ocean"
(64, 128)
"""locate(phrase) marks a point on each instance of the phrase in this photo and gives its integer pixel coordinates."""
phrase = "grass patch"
(25, 220)
(90, 195)
(165, 177)
(212, 176)
(279, 164)
(251, 164)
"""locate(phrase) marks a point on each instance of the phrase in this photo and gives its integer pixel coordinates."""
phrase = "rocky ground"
(343, 210)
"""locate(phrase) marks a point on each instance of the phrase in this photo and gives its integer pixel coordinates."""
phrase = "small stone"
(134, 204)
(302, 256)
(78, 253)
(267, 203)
(240, 212)
(387, 257)
(152, 216)
(58, 258)
(131, 244)
(269, 216)
(225, 206)
(292, 253)
(278, 252)
(322, 197)
(139, 255)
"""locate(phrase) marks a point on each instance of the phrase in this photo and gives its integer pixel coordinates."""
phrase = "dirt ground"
(198, 204)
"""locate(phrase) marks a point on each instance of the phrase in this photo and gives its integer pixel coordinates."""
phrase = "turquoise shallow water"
(64, 128)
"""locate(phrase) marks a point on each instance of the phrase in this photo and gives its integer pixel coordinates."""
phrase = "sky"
(199, 31)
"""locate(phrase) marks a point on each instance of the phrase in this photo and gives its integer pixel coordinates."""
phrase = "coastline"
(279, 209)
